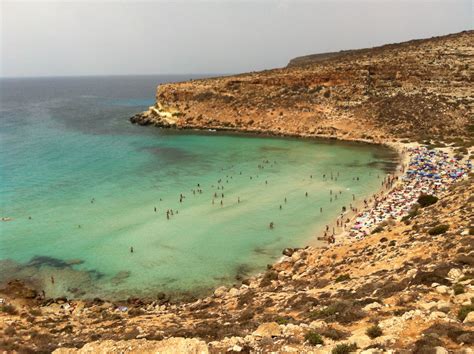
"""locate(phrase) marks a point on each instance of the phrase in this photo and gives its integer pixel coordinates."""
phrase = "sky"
(65, 38)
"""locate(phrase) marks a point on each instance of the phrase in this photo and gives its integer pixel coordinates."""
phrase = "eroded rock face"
(419, 89)
(167, 346)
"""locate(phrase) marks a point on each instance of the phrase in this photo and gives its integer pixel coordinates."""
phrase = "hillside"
(416, 90)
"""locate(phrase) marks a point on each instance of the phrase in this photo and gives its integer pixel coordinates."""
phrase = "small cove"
(90, 181)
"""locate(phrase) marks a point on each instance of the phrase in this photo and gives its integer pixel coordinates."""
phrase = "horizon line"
(110, 75)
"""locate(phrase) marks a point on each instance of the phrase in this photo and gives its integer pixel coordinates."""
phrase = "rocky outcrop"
(418, 90)
(142, 346)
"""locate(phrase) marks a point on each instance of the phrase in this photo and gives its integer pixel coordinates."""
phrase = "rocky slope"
(417, 90)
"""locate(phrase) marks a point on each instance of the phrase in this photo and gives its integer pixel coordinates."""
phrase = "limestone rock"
(469, 318)
(167, 346)
(455, 274)
(269, 329)
(372, 306)
(220, 291)
(442, 289)
(440, 350)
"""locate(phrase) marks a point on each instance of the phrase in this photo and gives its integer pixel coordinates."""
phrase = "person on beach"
(306, 194)
(285, 199)
(238, 199)
(52, 279)
(321, 210)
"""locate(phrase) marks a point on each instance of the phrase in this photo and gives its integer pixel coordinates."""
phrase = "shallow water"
(90, 181)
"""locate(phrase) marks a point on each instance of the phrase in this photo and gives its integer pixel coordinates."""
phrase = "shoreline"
(190, 296)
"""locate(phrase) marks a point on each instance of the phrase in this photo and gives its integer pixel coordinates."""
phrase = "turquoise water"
(81, 185)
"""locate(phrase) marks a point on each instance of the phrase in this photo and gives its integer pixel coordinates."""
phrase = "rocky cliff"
(416, 90)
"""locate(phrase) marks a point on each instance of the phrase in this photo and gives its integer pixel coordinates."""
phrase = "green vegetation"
(377, 230)
(313, 338)
(426, 200)
(333, 333)
(374, 331)
(464, 310)
(341, 311)
(343, 277)
(9, 309)
(438, 230)
(458, 289)
(344, 348)
(281, 320)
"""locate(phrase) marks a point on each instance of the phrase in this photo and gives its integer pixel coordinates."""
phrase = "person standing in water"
(271, 225)
(131, 249)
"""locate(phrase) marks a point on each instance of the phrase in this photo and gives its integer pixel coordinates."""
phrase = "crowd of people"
(428, 172)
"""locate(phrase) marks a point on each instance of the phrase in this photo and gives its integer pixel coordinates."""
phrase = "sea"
(81, 188)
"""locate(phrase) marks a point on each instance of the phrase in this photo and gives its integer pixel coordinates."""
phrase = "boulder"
(444, 306)
(234, 292)
(220, 291)
(268, 329)
(455, 274)
(469, 318)
(372, 306)
(442, 289)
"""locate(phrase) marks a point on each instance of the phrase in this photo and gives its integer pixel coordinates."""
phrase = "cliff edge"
(418, 90)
